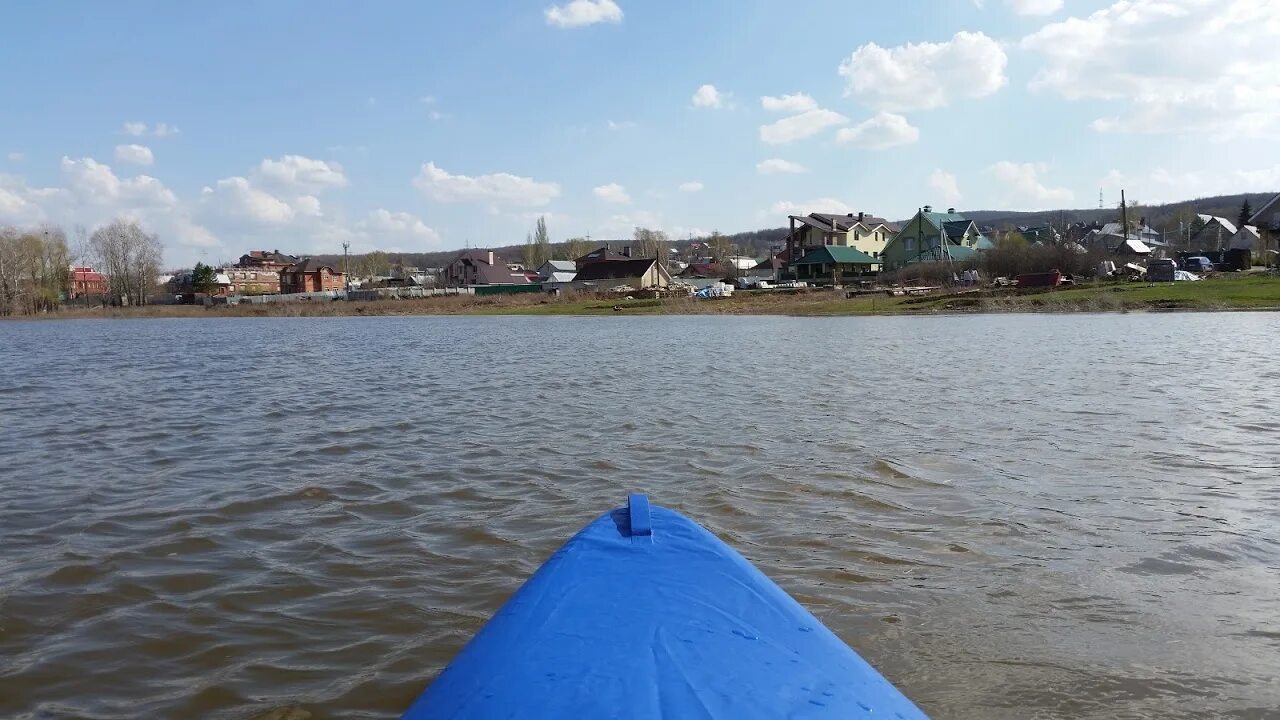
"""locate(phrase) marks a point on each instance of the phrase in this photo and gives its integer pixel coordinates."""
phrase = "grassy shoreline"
(1250, 292)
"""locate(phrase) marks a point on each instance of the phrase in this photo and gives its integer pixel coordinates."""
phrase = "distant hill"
(1164, 218)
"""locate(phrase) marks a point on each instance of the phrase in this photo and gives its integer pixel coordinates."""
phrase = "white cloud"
(944, 183)
(578, 13)
(798, 127)
(1162, 185)
(773, 166)
(1035, 7)
(95, 183)
(15, 157)
(427, 99)
(134, 154)
(1023, 188)
(238, 198)
(797, 103)
(820, 205)
(921, 76)
(140, 129)
(436, 115)
(885, 130)
(707, 96)
(612, 193)
(622, 125)
(1197, 66)
(295, 172)
(497, 189)
(692, 186)
(398, 228)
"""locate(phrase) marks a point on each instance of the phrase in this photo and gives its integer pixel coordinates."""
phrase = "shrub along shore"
(1237, 292)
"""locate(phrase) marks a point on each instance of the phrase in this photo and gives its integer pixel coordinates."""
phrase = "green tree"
(542, 241)
(203, 279)
(1011, 240)
(1246, 212)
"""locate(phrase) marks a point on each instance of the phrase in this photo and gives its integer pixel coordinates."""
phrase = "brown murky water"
(1012, 516)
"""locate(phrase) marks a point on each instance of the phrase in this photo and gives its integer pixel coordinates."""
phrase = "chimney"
(860, 216)
(928, 208)
(626, 251)
(490, 257)
(951, 211)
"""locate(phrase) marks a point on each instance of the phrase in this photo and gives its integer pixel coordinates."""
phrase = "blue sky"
(423, 126)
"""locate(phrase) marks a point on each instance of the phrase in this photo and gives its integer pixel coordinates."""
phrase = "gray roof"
(309, 265)
(561, 265)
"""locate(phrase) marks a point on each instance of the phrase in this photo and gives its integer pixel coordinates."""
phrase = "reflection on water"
(1012, 516)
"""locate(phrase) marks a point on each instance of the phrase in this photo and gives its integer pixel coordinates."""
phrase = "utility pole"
(346, 271)
(1124, 218)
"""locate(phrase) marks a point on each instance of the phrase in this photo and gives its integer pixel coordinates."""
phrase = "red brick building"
(311, 276)
(87, 282)
(269, 260)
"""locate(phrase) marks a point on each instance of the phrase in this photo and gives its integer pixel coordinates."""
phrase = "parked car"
(1198, 263)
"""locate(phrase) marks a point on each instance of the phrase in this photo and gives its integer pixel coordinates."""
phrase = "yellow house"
(863, 232)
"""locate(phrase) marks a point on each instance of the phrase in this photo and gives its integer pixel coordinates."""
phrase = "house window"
(911, 244)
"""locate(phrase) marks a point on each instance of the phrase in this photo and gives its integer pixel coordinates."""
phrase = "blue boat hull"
(645, 614)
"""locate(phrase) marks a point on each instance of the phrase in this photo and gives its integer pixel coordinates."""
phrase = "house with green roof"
(935, 237)
(835, 264)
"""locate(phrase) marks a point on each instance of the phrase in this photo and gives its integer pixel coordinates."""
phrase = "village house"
(553, 267)
(252, 280)
(310, 275)
(635, 273)
(864, 232)
(269, 260)
(1215, 234)
(934, 237)
(834, 264)
(1112, 236)
(87, 282)
(481, 267)
(602, 254)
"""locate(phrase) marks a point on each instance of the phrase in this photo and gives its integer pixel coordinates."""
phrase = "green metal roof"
(837, 254)
(958, 253)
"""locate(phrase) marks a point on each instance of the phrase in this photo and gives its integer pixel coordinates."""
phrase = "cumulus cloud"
(385, 228)
(797, 103)
(819, 205)
(774, 166)
(944, 183)
(304, 174)
(497, 189)
(238, 198)
(885, 130)
(921, 76)
(799, 127)
(692, 186)
(1165, 66)
(612, 193)
(578, 13)
(141, 129)
(1023, 188)
(1035, 7)
(707, 96)
(134, 154)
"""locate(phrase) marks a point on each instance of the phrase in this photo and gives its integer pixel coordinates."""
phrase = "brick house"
(270, 260)
(87, 282)
(310, 276)
(252, 280)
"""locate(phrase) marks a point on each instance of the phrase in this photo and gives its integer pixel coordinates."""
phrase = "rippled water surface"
(1010, 516)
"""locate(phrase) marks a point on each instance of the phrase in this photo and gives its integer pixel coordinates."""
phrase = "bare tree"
(651, 244)
(130, 257)
(10, 270)
(574, 248)
(35, 270)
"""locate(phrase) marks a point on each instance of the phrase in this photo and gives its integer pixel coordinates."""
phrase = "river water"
(1010, 516)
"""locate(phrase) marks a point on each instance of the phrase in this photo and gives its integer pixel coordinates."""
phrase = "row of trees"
(35, 265)
(35, 269)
